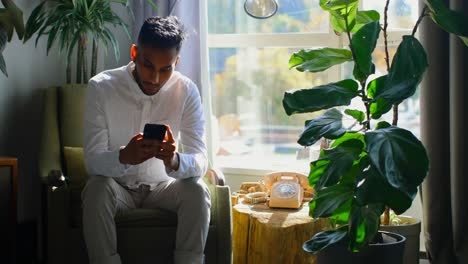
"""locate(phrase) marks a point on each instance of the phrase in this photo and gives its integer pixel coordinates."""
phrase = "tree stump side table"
(265, 235)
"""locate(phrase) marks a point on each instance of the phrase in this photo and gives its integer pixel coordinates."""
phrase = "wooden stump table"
(262, 235)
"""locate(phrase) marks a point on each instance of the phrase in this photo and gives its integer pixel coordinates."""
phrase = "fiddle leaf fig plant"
(374, 165)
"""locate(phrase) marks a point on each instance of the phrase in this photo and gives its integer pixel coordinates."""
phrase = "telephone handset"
(287, 189)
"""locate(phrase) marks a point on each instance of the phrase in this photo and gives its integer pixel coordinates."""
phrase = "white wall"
(30, 70)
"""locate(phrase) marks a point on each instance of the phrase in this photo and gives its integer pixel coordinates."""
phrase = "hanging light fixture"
(260, 8)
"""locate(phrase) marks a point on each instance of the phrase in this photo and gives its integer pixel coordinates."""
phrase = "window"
(248, 61)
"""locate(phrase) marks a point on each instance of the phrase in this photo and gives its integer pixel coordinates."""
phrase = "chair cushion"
(74, 166)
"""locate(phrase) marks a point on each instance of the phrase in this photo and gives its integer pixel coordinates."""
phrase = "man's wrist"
(121, 155)
(175, 161)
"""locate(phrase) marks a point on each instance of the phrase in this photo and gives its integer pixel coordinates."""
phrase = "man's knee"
(195, 190)
(98, 190)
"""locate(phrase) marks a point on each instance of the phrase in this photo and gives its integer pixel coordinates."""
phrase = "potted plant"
(376, 165)
(410, 228)
(11, 18)
(72, 23)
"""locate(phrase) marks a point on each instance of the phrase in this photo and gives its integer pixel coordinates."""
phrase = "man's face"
(154, 67)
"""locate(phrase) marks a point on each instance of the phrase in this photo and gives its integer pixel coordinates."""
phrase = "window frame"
(300, 40)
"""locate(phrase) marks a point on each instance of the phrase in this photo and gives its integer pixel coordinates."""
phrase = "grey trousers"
(102, 198)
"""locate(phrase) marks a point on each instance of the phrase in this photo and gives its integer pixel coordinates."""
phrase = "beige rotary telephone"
(287, 189)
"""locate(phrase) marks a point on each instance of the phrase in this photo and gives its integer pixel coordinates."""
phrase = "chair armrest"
(215, 177)
(55, 179)
(224, 224)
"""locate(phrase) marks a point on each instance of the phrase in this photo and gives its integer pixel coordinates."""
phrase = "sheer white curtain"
(188, 11)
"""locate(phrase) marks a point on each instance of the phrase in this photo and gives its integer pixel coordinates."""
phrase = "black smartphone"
(154, 131)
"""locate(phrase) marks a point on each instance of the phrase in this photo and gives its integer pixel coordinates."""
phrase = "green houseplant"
(71, 23)
(11, 18)
(376, 165)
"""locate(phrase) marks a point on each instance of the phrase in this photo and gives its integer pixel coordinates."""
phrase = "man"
(129, 171)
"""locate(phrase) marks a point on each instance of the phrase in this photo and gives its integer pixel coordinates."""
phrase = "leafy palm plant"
(372, 166)
(71, 23)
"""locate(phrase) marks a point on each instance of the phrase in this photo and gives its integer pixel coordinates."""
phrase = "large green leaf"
(319, 59)
(399, 156)
(317, 169)
(364, 225)
(339, 206)
(450, 20)
(363, 43)
(342, 13)
(379, 107)
(329, 125)
(320, 97)
(348, 136)
(376, 189)
(356, 114)
(376, 86)
(334, 5)
(410, 62)
(365, 17)
(355, 174)
(338, 161)
(328, 200)
(382, 124)
(406, 72)
(341, 215)
(322, 240)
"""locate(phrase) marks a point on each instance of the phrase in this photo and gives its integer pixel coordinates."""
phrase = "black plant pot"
(389, 252)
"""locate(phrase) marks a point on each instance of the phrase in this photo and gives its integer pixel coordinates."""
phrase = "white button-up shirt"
(116, 109)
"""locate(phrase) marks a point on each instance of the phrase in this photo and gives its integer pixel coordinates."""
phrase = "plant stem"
(423, 14)
(85, 65)
(395, 115)
(367, 104)
(94, 58)
(386, 220)
(363, 83)
(68, 72)
(79, 63)
(387, 57)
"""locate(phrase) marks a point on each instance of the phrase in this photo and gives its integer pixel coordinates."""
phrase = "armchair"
(143, 235)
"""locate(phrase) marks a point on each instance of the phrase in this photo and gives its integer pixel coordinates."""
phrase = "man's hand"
(139, 150)
(136, 151)
(166, 151)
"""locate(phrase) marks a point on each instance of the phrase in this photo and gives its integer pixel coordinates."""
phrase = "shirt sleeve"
(193, 161)
(99, 158)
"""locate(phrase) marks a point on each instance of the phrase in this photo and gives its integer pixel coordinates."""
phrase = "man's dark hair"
(162, 32)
